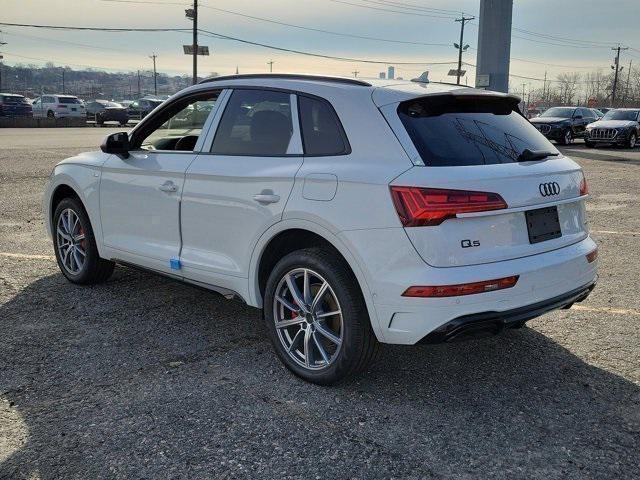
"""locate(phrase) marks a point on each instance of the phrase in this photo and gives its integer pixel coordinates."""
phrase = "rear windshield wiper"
(533, 155)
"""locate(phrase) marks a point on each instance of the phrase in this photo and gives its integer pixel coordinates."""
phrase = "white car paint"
(219, 231)
(47, 105)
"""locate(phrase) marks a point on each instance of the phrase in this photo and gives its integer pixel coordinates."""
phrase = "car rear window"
(449, 131)
(12, 100)
(68, 100)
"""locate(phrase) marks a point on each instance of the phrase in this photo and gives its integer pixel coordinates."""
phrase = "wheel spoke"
(78, 238)
(320, 349)
(287, 304)
(328, 334)
(81, 251)
(289, 322)
(318, 296)
(329, 314)
(296, 339)
(307, 347)
(76, 258)
(295, 293)
(306, 289)
(64, 235)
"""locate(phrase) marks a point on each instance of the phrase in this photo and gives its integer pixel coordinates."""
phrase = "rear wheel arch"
(297, 236)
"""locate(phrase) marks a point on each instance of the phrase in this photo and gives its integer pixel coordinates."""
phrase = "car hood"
(114, 109)
(549, 120)
(612, 124)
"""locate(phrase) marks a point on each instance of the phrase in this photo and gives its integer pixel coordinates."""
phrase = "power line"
(318, 55)
(448, 17)
(97, 29)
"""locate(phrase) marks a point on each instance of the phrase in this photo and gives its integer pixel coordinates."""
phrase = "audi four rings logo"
(549, 189)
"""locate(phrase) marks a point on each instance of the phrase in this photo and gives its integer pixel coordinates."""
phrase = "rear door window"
(322, 133)
(448, 131)
(255, 122)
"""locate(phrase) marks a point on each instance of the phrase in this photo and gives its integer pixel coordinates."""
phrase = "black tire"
(359, 347)
(632, 141)
(589, 144)
(50, 114)
(567, 137)
(123, 123)
(95, 269)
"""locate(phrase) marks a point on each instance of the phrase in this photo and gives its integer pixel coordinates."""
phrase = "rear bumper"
(391, 265)
(494, 322)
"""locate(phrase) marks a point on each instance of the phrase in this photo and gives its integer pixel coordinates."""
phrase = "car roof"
(11, 95)
(382, 91)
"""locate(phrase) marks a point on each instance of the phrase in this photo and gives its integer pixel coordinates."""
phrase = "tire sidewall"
(91, 249)
(352, 316)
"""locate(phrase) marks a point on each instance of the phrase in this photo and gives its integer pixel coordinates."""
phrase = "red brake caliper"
(83, 242)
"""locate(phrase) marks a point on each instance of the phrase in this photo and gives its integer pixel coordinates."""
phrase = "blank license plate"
(543, 224)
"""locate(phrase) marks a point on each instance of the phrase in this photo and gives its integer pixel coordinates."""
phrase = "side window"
(322, 133)
(255, 122)
(36, 102)
(586, 113)
(179, 126)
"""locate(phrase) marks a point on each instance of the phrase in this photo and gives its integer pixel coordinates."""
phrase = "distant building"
(382, 75)
(391, 73)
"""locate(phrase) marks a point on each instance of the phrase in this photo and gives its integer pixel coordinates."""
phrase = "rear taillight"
(419, 207)
(584, 188)
(61, 106)
(592, 255)
(461, 289)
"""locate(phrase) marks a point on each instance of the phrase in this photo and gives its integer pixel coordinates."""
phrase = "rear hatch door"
(474, 146)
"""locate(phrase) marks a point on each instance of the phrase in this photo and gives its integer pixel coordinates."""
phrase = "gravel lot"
(146, 378)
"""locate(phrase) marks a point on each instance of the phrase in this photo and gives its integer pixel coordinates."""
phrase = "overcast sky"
(595, 21)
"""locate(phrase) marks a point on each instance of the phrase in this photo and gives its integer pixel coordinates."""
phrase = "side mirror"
(578, 117)
(117, 144)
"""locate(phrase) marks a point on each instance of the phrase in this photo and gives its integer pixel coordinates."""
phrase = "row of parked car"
(618, 127)
(65, 106)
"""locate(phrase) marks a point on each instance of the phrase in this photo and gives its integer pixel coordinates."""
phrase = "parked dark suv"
(12, 105)
(564, 124)
(618, 127)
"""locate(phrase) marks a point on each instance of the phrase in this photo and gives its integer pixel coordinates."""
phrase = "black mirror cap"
(117, 144)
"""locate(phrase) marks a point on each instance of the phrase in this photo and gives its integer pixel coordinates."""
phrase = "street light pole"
(462, 21)
(195, 41)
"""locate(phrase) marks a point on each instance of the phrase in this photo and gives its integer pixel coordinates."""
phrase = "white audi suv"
(352, 212)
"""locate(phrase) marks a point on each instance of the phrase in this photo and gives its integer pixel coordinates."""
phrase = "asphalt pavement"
(143, 377)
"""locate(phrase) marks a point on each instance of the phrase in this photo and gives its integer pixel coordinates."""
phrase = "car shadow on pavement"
(143, 377)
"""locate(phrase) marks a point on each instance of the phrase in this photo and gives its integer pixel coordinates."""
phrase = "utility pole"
(1, 57)
(195, 41)
(626, 90)
(270, 63)
(63, 89)
(544, 89)
(355, 73)
(617, 69)
(461, 46)
(155, 75)
(139, 91)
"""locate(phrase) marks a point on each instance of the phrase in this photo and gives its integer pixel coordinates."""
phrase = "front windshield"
(629, 115)
(559, 112)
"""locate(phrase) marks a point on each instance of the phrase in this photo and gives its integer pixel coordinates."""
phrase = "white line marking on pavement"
(26, 256)
(618, 311)
(613, 232)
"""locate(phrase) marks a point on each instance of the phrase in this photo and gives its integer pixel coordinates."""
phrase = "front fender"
(84, 180)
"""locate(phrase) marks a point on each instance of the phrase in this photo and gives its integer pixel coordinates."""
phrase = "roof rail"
(288, 76)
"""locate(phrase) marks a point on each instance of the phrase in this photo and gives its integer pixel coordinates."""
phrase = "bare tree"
(568, 87)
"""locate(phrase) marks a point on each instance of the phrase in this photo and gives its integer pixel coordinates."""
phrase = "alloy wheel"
(632, 141)
(71, 242)
(308, 318)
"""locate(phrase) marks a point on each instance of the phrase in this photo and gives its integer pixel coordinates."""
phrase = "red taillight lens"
(584, 188)
(462, 289)
(591, 256)
(418, 207)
